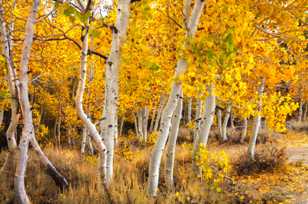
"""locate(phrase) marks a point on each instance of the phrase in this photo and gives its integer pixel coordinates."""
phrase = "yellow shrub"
(214, 167)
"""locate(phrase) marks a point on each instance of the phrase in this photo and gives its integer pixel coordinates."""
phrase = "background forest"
(153, 101)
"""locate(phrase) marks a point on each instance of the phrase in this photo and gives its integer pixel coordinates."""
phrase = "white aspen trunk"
(140, 126)
(136, 125)
(208, 119)
(170, 107)
(111, 86)
(145, 119)
(152, 121)
(28, 130)
(257, 123)
(171, 146)
(224, 135)
(159, 112)
(232, 120)
(79, 103)
(198, 123)
(7, 46)
(300, 111)
(244, 130)
(219, 121)
(189, 109)
(83, 140)
(91, 149)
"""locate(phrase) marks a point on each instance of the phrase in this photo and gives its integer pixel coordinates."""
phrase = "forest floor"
(286, 184)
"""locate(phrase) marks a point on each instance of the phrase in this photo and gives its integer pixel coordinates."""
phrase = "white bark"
(208, 119)
(145, 119)
(79, 103)
(159, 112)
(224, 135)
(171, 106)
(136, 125)
(189, 105)
(198, 123)
(111, 86)
(12, 82)
(90, 145)
(152, 121)
(257, 123)
(28, 129)
(219, 121)
(139, 124)
(176, 119)
(244, 130)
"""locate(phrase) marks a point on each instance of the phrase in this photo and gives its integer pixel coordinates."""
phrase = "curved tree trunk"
(79, 106)
(224, 135)
(256, 124)
(175, 125)
(170, 107)
(28, 129)
(7, 46)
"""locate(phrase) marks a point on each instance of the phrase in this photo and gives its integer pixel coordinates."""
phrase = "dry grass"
(131, 173)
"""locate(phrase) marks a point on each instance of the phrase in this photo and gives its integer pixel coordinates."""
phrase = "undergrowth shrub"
(267, 158)
(213, 166)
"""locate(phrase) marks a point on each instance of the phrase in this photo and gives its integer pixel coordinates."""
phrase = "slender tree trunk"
(198, 123)
(28, 130)
(232, 120)
(121, 126)
(140, 125)
(111, 86)
(244, 130)
(91, 149)
(219, 121)
(136, 126)
(79, 103)
(224, 136)
(145, 119)
(159, 112)
(300, 111)
(152, 121)
(170, 107)
(175, 125)
(12, 82)
(257, 123)
(208, 119)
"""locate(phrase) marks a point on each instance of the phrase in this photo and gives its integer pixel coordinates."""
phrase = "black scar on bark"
(58, 178)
